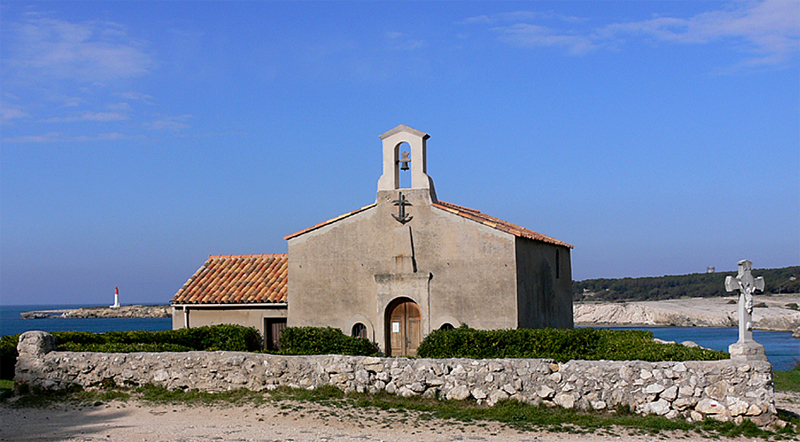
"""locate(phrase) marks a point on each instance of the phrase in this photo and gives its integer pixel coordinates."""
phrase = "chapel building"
(399, 268)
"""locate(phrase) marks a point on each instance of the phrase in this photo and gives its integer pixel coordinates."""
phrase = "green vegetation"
(421, 412)
(783, 280)
(324, 340)
(559, 344)
(788, 380)
(212, 338)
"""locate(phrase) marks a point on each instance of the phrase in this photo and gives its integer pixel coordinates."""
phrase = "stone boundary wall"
(724, 390)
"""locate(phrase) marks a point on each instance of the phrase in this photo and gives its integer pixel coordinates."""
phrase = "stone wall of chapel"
(544, 287)
(469, 268)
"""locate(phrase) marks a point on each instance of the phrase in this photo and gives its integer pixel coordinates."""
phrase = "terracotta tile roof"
(237, 279)
(330, 221)
(498, 224)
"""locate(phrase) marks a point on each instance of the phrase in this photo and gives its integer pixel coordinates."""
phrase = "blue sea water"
(783, 351)
(11, 323)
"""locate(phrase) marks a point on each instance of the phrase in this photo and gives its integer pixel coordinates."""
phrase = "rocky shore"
(776, 313)
(125, 311)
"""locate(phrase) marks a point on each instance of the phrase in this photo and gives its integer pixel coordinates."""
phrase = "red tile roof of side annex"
(237, 279)
(258, 279)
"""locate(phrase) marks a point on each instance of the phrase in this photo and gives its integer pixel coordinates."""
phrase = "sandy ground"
(285, 421)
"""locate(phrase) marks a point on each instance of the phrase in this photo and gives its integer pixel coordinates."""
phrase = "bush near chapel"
(559, 344)
(225, 337)
(323, 341)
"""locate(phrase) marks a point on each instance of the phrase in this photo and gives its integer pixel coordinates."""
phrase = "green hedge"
(322, 341)
(226, 337)
(559, 344)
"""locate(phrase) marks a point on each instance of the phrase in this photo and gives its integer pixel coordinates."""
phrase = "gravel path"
(285, 421)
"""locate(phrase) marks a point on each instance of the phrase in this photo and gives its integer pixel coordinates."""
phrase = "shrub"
(8, 355)
(323, 340)
(559, 344)
(226, 337)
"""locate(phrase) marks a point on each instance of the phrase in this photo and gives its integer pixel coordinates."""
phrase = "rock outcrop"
(771, 313)
(126, 311)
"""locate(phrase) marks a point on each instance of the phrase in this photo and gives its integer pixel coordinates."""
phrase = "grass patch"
(6, 389)
(160, 395)
(787, 380)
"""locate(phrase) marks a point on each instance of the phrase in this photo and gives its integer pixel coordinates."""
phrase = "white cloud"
(767, 31)
(90, 116)
(94, 51)
(518, 16)
(401, 41)
(136, 96)
(526, 35)
(60, 137)
(7, 114)
(170, 122)
(123, 106)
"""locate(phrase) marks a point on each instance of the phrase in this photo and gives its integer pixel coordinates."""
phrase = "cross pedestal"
(745, 349)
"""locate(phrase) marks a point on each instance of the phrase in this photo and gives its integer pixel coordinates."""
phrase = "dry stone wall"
(724, 390)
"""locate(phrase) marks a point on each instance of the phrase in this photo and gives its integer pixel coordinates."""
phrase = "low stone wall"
(693, 390)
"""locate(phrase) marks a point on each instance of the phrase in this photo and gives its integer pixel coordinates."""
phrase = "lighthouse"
(116, 298)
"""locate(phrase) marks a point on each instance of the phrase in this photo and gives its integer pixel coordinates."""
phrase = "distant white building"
(116, 298)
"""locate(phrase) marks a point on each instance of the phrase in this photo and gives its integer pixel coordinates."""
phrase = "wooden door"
(404, 328)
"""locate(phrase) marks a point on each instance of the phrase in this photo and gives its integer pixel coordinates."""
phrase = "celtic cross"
(746, 285)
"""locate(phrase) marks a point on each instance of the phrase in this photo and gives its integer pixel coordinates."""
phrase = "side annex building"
(391, 271)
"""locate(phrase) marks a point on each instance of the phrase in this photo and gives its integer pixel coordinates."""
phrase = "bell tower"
(395, 161)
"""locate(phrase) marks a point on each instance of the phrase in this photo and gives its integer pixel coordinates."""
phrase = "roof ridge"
(497, 223)
(330, 221)
(261, 255)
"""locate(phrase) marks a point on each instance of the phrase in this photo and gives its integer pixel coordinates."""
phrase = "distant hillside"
(783, 280)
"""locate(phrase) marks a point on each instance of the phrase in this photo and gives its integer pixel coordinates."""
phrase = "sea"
(783, 351)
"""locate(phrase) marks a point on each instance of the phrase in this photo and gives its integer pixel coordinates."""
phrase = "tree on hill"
(695, 285)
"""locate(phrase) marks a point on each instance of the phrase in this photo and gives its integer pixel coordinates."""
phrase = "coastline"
(771, 313)
(125, 311)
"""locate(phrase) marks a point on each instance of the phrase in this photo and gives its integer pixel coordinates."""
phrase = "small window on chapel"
(558, 265)
(359, 330)
(447, 326)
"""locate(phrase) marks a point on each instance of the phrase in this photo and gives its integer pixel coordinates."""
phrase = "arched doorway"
(403, 328)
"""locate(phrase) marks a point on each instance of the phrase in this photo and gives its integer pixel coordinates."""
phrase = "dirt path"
(285, 421)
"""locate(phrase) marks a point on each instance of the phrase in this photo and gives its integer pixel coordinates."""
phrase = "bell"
(404, 160)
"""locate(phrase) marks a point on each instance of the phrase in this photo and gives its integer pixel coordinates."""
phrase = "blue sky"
(140, 137)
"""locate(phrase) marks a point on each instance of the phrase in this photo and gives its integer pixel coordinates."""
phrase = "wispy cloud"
(93, 51)
(170, 122)
(399, 40)
(90, 116)
(530, 36)
(136, 96)
(519, 16)
(767, 32)
(60, 137)
(8, 113)
(123, 106)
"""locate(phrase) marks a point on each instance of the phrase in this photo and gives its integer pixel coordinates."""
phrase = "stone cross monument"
(744, 283)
